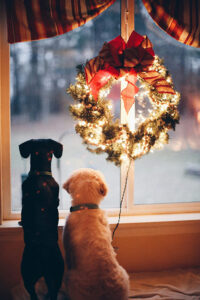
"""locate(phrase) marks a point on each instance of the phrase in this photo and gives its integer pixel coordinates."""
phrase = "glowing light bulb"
(123, 146)
(82, 123)
(137, 149)
(103, 93)
(124, 157)
(86, 87)
(149, 130)
(169, 79)
(110, 106)
(101, 122)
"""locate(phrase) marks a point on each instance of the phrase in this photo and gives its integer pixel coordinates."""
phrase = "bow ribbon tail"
(129, 92)
(157, 81)
(101, 78)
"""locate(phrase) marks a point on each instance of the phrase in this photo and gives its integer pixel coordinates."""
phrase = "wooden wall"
(142, 247)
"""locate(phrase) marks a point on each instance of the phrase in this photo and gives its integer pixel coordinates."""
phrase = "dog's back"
(88, 230)
(39, 209)
(94, 271)
(42, 256)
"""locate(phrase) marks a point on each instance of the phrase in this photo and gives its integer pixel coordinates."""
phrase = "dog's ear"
(57, 148)
(66, 185)
(25, 148)
(103, 189)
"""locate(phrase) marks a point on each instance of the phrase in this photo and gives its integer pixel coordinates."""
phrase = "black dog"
(42, 256)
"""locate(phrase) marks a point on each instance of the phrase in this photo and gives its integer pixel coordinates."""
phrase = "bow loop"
(92, 67)
(134, 40)
(147, 44)
(112, 52)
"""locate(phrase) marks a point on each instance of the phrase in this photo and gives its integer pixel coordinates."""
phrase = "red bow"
(117, 59)
(137, 53)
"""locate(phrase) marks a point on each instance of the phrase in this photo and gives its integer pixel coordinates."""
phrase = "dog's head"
(86, 186)
(41, 151)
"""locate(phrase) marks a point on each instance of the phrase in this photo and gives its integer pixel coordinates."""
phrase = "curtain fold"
(179, 18)
(29, 20)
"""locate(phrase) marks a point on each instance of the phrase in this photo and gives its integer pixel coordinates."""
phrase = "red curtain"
(179, 18)
(30, 20)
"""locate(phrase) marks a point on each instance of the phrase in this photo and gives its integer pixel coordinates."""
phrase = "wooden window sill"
(134, 225)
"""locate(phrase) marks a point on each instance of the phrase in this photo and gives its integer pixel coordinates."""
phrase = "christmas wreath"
(132, 61)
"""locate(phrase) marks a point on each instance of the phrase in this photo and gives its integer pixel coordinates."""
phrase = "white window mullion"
(127, 26)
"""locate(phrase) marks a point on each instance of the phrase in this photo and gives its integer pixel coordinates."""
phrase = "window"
(155, 181)
(40, 72)
(172, 175)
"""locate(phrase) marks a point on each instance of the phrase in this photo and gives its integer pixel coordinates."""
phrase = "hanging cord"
(122, 199)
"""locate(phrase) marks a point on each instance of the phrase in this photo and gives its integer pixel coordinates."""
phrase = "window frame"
(5, 205)
(129, 208)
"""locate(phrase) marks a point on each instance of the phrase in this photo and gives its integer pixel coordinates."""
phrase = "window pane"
(40, 73)
(172, 174)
